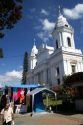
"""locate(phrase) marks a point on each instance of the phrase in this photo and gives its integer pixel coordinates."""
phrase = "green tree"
(25, 68)
(67, 93)
(10, 13)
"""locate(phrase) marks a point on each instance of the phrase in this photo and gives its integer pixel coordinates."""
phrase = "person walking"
(7, 115)
(3, 101)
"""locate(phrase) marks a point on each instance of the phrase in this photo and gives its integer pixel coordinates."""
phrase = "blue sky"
(37, 22)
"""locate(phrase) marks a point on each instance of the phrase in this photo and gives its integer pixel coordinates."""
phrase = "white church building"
(48, 65)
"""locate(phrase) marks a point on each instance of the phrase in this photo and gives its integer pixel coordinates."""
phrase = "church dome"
(34, 50)
(61, 21)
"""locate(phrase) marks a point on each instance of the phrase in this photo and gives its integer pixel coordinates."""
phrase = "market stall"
(18, 94)
(37, 98)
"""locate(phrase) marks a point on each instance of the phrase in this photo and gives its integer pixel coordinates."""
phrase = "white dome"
(61, 21)
(34, 50)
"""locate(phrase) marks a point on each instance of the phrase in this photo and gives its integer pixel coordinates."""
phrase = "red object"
(18, 92)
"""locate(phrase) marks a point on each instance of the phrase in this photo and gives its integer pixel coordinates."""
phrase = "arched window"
(56, 44)
(69, 41)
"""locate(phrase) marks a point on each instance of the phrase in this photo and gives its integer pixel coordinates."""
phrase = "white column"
(78, 67)
(72, 40)
(65, 67)
(60, 42)
(61, 70)
(68, 68)
(82, 66)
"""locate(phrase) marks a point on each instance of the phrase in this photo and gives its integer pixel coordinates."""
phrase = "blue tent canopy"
(25, 86)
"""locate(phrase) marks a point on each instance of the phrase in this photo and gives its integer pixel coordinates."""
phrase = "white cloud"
(44, 36)
(43, 11)
(75, 13)
(40, 35)
(11, 76)
(4, 78)
(46, 29)
(14, 74)
(47, 25)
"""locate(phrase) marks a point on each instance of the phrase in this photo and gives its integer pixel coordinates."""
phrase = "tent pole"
(32, 103)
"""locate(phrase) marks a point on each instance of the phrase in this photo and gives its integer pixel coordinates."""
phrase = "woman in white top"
(7, 115)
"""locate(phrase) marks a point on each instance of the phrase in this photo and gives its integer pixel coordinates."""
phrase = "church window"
(57, 72)
(69, 41)
(66, 25)
(57, 44)
(58, 81)
(73, 68)
(57, 69)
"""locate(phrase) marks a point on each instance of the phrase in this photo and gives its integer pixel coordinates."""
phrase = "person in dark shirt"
(3, 101)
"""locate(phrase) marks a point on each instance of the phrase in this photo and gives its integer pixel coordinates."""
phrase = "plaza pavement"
(48, 119)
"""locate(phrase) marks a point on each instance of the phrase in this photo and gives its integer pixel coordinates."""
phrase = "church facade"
(48, 65)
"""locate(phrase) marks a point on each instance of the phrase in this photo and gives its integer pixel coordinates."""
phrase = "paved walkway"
(48, 119)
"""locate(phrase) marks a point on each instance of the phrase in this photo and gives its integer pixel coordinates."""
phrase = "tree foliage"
(10, 13)
(25, 68)
(67, 93)
(71, 79)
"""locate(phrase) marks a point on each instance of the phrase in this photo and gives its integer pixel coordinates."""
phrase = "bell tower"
(33, 54)
(63, 33)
